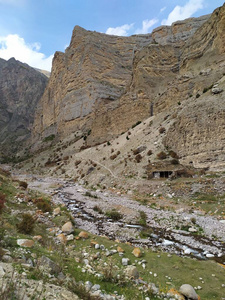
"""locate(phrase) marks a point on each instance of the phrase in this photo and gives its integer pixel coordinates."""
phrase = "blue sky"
(32, 30)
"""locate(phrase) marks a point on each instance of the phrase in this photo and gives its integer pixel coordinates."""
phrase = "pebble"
(125, 261)
(97, 246)
(209, 255)
(95, 287)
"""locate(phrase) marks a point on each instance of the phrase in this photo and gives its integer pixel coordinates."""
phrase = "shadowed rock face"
(108, 83)
(21, 87)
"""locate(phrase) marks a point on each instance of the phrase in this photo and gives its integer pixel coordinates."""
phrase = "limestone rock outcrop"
(104, 84)
(89, 87)
(21, 87)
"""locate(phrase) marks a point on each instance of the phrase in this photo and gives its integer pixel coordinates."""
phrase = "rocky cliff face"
(94, 75)
(21, 87)
(104, 84)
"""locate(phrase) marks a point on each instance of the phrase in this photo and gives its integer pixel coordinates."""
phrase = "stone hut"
(166, 169)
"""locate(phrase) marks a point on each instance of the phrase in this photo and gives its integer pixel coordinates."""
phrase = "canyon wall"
(21, 87)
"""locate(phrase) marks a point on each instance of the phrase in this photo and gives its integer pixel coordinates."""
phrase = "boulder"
(172, 293)
(62, 238)
(70, 237)
(56, 211)
(83, 235)
(2, 272)
(131, 272)
(119, 249)
(48, 265)
(25, 243)
(67, 228)
(137, 252)
(188, 291)
(37, 237)
(125, 261)
(216, 90)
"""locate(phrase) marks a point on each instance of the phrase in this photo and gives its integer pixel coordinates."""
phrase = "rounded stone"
(131, 272)
(188, 291)
(67, 228)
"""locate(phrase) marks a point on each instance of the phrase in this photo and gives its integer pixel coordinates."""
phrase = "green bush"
(114, 215)
(27, 224)
(97, 209)
(143, 218)
(49, 138)
(2, 202)
(88, 194)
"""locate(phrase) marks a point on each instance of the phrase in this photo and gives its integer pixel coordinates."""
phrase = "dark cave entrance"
(162, 174)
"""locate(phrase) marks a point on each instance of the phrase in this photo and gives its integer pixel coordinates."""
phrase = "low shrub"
(149, 152)
(175, 161)
(138, 158)
(143, 218)
(49, 138)
(114, 156)
(162, 130)
(161, 155)
(88, 194)
(207, 88)
(136, 151)
(77, 162)
(27, 224)
(2, 202)
(185, 173)
(173, 154)
(23, 184)
(43, 204)
(97, 209)
(136, 124)
(114, 215)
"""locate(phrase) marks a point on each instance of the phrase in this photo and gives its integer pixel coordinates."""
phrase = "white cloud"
(183, 12)
(13, 45)
(121, 30)
(162, 9)
(146, 25)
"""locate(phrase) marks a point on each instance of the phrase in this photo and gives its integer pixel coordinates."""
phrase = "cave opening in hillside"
(162, 174)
